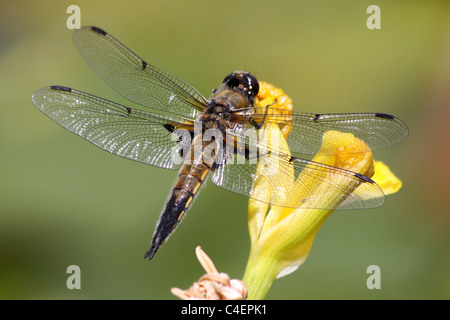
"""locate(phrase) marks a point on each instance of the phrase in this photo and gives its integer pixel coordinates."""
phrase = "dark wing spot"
(128, 109)
(144, 64)
(61, 88)
(215, 165)
(384, 116)
(169, 127)
(318, 117)
(98, 30)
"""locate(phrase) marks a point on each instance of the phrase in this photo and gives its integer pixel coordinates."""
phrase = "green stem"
(259, 275)
(270, 254)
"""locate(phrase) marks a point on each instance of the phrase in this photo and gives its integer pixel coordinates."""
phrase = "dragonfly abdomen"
(191, 177)
(189, 181)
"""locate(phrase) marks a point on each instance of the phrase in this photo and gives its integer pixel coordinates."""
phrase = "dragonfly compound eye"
(244, 81)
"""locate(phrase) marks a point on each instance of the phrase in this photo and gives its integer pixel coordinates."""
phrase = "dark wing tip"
(60, 88)
(402, 127)
(98, 30)
(363, 177)
(37, 95)
(384, 116)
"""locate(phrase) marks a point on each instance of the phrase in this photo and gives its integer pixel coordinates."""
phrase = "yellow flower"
(281, 238)
(385, 178)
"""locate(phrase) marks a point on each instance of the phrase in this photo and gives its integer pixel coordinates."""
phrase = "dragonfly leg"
(260, 125)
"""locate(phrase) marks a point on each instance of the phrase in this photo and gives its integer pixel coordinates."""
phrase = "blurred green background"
(65, 202)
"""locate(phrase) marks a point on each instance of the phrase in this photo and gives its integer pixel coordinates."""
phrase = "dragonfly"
(168, 125)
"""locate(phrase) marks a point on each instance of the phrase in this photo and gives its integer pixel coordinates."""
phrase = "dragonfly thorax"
(215, 116)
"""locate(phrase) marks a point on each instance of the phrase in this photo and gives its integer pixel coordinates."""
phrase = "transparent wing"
(292, 182)
(134, 78)
(377, 130)
(130, 133)
(303, 183)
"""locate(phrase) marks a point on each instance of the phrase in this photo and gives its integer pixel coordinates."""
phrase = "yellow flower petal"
(263, 188)
(279, 101)
(384, 177)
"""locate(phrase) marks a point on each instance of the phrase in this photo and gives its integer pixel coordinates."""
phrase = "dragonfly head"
(242, 81)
